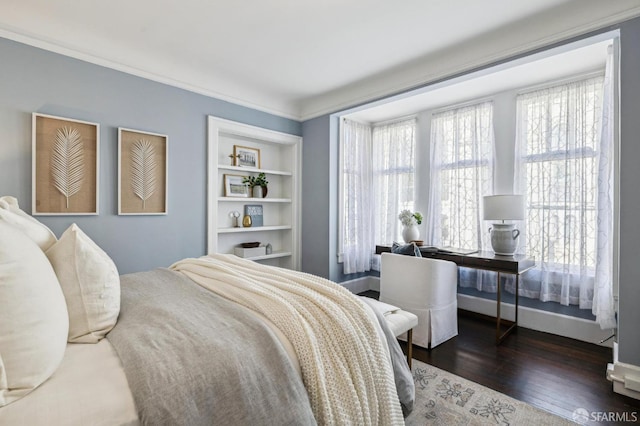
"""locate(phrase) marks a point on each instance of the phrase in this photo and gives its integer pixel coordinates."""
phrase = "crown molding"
(284, 110)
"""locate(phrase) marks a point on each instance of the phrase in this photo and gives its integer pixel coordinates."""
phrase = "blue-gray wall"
(629, 305)
(34, 80)
(316, 197)
(320, 199)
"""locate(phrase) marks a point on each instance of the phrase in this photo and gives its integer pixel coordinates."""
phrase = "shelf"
(281, 161)
(254, 170)
(254, 200)
(273, 255)
(254, 229)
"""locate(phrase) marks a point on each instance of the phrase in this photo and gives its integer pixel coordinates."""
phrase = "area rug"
(443, 398)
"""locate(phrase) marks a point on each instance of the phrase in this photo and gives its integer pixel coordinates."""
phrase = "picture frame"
(143, 160)
(65, 166)
(245, 156)
(234, 187)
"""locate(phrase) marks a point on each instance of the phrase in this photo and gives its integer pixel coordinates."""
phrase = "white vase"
(504, 238)
(410, 233)
(257, 192)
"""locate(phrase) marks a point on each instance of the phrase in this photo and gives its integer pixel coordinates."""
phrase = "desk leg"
(498, 306)
(517, 291)
(500, 337)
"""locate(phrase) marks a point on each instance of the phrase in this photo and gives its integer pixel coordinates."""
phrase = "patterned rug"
(443, 398)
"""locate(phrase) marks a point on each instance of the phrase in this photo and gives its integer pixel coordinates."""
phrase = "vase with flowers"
(410, 221)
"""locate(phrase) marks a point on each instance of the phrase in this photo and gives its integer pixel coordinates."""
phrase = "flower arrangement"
(407, 218)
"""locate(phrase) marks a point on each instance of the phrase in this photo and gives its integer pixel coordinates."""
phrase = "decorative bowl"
(250, 245)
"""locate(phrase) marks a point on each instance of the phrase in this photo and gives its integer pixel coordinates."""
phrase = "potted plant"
(258, 185)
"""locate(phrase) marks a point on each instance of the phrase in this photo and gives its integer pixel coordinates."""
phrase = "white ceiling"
(585, 57)
(300, 58)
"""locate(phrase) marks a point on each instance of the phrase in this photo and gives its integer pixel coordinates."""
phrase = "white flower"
(407, 218)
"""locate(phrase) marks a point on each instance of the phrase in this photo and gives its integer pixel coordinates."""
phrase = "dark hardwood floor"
(550, 372)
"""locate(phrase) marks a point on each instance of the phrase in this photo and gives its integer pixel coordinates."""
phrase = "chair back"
(417, 282)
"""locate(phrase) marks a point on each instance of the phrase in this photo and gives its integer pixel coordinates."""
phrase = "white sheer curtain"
(394, 148)
(462, 153)
(357, 189)
(603, 302)
(378, 169)
(559, 145)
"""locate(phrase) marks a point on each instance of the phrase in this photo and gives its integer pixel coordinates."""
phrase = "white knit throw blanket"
(344, 362)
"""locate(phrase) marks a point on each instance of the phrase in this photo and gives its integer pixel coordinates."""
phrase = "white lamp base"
(504, 238)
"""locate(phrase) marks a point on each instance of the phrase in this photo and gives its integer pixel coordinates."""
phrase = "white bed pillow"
(90, 283)
(11, 213)
(33, 316)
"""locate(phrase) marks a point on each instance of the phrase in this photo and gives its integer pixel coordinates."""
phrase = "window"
(394, 147)
(378, 168)
(556, 146)
(461, 174)
(559, 141)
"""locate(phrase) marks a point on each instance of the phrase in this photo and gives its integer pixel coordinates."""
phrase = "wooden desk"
(485, 260)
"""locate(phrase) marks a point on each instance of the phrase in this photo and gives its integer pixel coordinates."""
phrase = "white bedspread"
(353, 383)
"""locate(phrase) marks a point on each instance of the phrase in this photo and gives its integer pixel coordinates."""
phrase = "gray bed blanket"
(343, 355)
(194, 358)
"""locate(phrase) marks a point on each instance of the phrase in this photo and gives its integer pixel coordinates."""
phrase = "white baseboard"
(375, 283)
(359, 284)
(534, 319)
(625, 377)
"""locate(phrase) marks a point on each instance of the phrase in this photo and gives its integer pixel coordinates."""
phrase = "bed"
(213, 340)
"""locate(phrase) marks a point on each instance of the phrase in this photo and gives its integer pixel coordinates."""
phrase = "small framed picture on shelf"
(234, 187)
(255, 211)
(246, 157)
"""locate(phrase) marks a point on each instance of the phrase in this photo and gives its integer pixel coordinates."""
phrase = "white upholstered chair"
(426, 287)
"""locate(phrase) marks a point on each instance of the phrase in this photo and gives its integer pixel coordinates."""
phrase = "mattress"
(89, 388)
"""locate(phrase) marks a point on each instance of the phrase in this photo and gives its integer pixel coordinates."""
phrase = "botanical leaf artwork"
(143, 170)
(67, 162)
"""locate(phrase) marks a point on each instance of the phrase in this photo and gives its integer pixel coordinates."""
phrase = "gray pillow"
(408, 249)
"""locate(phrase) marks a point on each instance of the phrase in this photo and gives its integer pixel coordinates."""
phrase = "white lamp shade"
(503, 207)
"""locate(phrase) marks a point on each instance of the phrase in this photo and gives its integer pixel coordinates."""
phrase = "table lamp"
(504, 236)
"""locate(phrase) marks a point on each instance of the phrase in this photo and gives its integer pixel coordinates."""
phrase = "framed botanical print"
(142, 172)
(65, 166)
